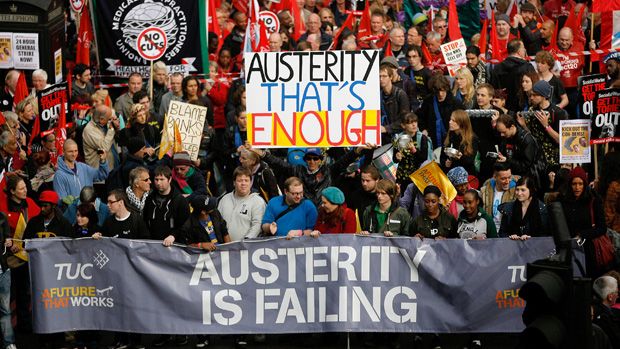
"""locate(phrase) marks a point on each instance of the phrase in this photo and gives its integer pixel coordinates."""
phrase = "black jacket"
(508, 75)
(521, 152)
(193, 232)
(396, 105)
(58, 226)
(167, 216)
(427, 115)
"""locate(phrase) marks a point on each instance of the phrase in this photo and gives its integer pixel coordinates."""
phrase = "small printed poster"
(454, 55)
(6, 50)
(575, 142)
(26, 51)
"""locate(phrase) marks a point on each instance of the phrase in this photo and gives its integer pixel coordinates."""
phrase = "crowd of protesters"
(107, 180)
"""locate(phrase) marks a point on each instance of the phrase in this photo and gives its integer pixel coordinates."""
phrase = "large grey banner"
(333, 283)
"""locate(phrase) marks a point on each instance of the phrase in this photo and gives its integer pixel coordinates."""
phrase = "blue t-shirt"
(301, 217)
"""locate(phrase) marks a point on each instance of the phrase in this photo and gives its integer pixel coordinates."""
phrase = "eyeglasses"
(146, 180)
(296, 194)
(110, 202)
(312, 158)
(441, 26)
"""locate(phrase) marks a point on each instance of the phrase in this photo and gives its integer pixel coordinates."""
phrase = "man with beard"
(612, 64)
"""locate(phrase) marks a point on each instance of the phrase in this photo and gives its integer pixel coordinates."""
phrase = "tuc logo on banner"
(84, 294)
(313, 99)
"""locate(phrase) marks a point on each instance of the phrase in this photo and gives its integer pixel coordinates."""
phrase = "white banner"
(26, 50)
(313, 99)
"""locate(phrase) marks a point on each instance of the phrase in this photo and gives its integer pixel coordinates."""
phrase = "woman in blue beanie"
(334, 215)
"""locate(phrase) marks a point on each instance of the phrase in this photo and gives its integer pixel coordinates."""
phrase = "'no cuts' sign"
(151, 43)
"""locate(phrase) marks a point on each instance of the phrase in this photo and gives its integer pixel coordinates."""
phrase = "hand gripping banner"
(330, 284)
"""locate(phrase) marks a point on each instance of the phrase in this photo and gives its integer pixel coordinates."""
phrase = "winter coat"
(507, 74)
(397, 221)
(528, 227)
(192, 232)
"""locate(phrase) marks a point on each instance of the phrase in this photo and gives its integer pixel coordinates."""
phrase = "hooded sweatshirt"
(70, 182)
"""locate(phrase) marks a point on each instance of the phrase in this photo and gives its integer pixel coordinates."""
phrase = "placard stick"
(591, 37)
(151, 89)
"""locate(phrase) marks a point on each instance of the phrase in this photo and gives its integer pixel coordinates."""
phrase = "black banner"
(119, 22)
(605, 117)
(587, 87)
(50, 100)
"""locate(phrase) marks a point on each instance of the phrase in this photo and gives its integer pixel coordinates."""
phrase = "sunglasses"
(312, 158)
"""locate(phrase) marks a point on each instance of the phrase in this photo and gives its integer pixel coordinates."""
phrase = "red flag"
(427, 54)
(85, 37)
(241, 5)
(21, 89)
(299, 28)
(431, 17)
(574, 23)
(36, 129)
(363, 28)
(383, 39)
(607, 28)
(482, 44)
(2, 119)
(605, 5)
(454, 29)
(61, 131)
(388, 49)
(495, 50)
(553, 45)
(263, 41)
(348, 23)
(214, 25)
(513, 10)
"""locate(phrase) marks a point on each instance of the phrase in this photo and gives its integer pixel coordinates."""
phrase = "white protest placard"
(191, 120)
(6, 50)
(575, 141)
(26, 51)
(313, 99)
(454, 55)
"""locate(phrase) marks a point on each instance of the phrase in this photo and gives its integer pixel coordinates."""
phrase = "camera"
(492, 155)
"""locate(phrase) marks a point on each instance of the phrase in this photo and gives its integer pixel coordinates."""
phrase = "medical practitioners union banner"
(331, 284)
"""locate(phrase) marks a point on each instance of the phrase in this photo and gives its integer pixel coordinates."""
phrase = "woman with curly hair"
(139, 127)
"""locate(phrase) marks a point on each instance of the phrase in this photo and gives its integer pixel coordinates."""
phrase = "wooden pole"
(151, 88)
(591, 37)
(596, 161)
